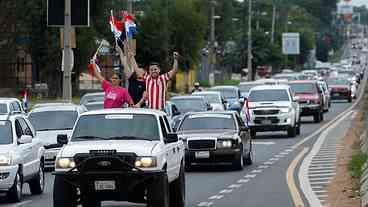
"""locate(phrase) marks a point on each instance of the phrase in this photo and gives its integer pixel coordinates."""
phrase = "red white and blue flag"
(130, 26)
(116, 27)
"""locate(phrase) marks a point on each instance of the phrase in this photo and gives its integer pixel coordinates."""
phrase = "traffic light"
(79, 13)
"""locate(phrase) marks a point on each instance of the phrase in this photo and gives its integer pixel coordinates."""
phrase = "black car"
(215, 137)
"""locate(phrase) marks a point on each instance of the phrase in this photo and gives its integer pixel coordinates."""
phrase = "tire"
(291, 132)
(298, 128)
(37, 185)
(158, 192)
(317, 117)
(177, 190)
(248, 159)
(329, 104)
(15, 192)
(350, 99)
(253, 133)
(64, 195)
(321, 114)
(238, 163)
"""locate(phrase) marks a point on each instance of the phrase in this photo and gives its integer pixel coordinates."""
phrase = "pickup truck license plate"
(202, 154)
(104, 185)
(266, 121)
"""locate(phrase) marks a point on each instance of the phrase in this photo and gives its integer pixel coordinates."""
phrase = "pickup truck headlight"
(65, 163)
(224, 143)
(145, 162)
(285, 110)
(5, 159)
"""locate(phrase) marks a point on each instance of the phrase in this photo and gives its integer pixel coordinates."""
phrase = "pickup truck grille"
(266, 112)
(90, 161)
(262, 120)
(201, 144)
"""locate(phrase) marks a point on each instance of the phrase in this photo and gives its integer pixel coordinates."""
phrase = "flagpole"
(67, 88)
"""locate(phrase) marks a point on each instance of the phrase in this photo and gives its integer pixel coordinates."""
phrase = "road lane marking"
(250, 176)
(312, 171)
(279, 156)
(242, 181)
(274, 159)
(263, 166)
(205, 204)
(216, 197)
(298, 201)
(263, 143)
(226, 191)
(321, 174)
(234, 186)
(256, 171)
(268, 163)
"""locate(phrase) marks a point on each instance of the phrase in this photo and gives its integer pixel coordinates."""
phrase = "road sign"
(79, 13)
(291, 43)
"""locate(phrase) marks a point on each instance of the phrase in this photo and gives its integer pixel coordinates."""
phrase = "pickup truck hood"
(269, 104)
(50, 137)
(5, 148)
(206, 134)
(140, 147)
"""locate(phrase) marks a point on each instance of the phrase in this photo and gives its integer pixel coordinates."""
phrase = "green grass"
(205, 83)
(231, 82)
(356, 164)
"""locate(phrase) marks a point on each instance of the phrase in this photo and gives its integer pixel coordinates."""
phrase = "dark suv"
(310, 98)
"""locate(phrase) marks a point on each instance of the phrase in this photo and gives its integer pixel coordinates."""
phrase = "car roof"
(211, 112)
(66, 107)
(7, 101)
(125, 111)
(223, 87)
(270, 87)
(54, 104)
(303, 81)
(187, 97)
(207, 92)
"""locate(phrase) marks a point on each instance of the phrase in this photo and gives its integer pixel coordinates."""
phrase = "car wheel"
(321, 114)
(37, 185)
(158, 192)
(177, 190)
(291, 132)
(298, 128)
(253, 133)
(317, 117)
(64, 193)
(15, 192)
(349, 99)
(249, 157)
(329, 104)
(238, 163)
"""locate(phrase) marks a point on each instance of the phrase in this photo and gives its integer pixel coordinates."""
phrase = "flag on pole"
(116, 27)
(91, 68)
(130, 26)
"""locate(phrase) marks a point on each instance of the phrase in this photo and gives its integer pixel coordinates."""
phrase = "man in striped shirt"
(156, 84)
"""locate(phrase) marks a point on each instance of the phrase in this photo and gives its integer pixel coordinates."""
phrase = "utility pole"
(212, 52)
(250, 56)
(67, 83)
(130, 6)
(273, 22)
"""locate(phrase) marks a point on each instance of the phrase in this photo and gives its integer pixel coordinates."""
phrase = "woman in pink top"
(115, 95)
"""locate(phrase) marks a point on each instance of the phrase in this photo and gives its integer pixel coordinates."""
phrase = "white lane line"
(226, 191)
(263, 143)
(284, 153)
(319, 179)
(268, 163)
(256, 171)
(263, 166)
(234, 186)
(279, 156)
(323, 161)
(324, 158)
(216, 197)
(321, 174)
(321, 167)
(324, 164)
(320, 191)
(320, 183)
(250, 176)
(288, 150)
(274, 159)
(205, 204)
(242, 181)
(312, 171)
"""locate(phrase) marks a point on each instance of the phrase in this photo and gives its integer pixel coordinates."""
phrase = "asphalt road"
(260, 184)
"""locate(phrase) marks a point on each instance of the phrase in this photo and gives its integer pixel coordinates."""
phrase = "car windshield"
(246, 87)
(116, 126)
(227, 93)
(207, 121)
(210, 98)
(308, 88)
(5, 132)
(53, 120)
(3, 109)
(338, 82)
(268, 95)
(189, 105)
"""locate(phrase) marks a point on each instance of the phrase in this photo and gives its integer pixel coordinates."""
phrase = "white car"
(49, 122)
(272, 108)
(11, 106)
(21, 157)
(214, 98)
(123, 155)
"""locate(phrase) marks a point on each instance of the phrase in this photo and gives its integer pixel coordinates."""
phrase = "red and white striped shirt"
(156, 90)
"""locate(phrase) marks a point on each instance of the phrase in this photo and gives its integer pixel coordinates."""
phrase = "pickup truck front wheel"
(65, 195)
(15, 192)
(37, 185)
(158, 192)
(177, 190)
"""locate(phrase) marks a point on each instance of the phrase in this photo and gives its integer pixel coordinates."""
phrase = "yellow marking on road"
(298, 201)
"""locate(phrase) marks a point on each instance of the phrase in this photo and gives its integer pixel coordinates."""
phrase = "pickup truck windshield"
(308, 88)
(53, 120)
(268, 95)
(194, 122)
(116, 126)
(5, 132)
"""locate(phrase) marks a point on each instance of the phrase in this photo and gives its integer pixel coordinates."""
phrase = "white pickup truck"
(121, 155)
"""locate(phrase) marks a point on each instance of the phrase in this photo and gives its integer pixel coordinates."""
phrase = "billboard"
(291, 43)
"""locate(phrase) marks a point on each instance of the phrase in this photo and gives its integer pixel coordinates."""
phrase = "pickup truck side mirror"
(25, 139)
(171, 138)
(62, 139)
(296, 98)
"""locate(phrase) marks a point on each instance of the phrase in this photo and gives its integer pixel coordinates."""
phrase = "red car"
(310, 98)
(340, 89)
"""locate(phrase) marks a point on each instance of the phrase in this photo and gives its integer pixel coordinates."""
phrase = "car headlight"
(224, 144)
(145, 162)
(5, 159)
(285, 110)
(65, 163)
